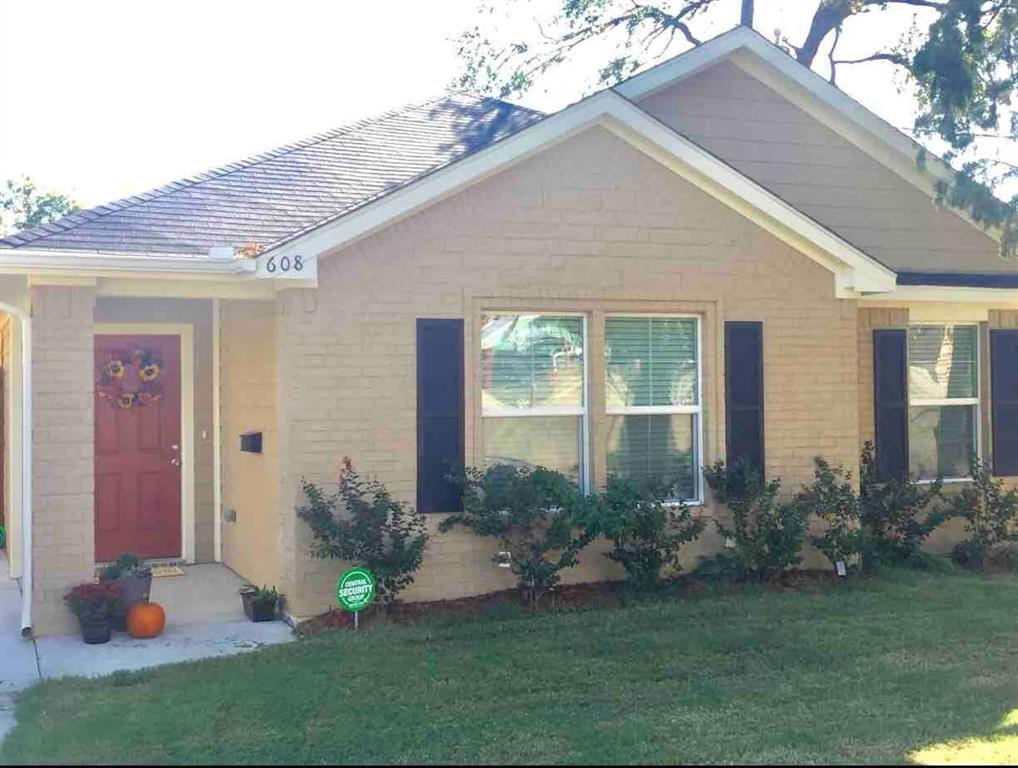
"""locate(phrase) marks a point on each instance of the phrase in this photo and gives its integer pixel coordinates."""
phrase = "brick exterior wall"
(62, 419)
(250, 387)
(590, 225)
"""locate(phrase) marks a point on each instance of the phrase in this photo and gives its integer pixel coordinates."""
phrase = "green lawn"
(910, 666)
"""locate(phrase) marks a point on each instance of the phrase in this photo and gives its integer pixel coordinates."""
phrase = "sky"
(109, 98)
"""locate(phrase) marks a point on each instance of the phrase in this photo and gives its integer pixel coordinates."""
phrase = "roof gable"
(811, 93)
(760, 132)
(854, 270)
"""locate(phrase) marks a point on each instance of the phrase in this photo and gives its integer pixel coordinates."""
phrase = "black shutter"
(439, 413)
(744, 394)
(1004, 383)
(890, 401)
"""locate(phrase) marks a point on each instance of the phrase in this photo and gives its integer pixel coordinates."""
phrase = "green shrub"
(720, 569)
(832, 498)
(895, 514)
(991, 521)
(645, 529)
(125, 565)
(363, 524)
(533, 514)
(767, 536)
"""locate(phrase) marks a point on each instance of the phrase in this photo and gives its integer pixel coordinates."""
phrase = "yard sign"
(355, 589)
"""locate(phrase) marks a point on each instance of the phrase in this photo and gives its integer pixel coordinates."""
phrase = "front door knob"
(175, 462)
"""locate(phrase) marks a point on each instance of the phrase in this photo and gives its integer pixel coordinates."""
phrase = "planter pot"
(133, 590)
(94, 630)
(258, 610)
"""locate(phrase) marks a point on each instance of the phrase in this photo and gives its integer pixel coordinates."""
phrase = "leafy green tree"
(959, 56)
(23, 206)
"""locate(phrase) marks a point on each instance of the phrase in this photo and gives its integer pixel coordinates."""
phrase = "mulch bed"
(566, 596)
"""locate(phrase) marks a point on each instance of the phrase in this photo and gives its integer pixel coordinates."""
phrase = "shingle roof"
(270, 196)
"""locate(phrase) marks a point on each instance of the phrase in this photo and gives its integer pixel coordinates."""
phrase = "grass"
(911, 666)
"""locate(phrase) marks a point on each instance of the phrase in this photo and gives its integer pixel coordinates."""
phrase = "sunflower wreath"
(113, 386)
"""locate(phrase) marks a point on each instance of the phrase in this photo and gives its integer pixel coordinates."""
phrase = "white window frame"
(975, 402)
(583, 411)
(695, 410)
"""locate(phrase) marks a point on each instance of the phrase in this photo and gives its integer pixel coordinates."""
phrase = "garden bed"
(565, 597)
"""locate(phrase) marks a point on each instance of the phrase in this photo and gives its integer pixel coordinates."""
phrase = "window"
(533, 391)
(943, 393)
(652, 369)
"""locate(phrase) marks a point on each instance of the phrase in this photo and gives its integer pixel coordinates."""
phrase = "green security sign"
(355, 589)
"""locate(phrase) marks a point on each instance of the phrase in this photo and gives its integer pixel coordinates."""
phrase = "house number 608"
(285, 264)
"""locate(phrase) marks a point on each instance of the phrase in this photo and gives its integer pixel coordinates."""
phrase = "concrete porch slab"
(204, 617)
(68, 656)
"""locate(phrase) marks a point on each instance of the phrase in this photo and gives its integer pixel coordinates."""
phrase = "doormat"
(162, 571)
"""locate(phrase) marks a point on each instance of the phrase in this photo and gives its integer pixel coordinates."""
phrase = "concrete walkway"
(204, 619)
(19, 667)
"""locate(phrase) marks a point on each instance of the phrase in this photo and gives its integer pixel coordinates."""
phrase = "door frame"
(185, 332)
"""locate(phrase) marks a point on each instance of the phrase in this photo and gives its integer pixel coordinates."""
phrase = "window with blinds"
(943, 399)
(533, 393)
(652, 395)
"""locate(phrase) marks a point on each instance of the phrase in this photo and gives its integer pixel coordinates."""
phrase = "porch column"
(63, 482)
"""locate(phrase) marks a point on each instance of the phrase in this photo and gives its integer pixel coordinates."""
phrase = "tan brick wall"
(62, 418)
(590, 225)
(249, 403)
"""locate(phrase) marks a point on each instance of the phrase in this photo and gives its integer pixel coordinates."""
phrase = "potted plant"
(259, 602)
(134, 578)
(95, 606)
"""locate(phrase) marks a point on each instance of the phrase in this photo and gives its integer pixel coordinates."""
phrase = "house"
(724, 256)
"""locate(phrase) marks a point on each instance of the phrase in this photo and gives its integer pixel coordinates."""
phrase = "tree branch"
(895, 58)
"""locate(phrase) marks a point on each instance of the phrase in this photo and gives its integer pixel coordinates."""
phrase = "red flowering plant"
(94, 601)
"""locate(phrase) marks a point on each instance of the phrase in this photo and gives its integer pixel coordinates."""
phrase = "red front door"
(137, 446)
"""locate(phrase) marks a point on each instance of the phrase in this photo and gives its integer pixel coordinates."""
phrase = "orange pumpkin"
(146, 620)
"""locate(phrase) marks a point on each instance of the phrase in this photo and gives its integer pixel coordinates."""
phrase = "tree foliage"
(363, 524)
(23, 205)
(959, 56)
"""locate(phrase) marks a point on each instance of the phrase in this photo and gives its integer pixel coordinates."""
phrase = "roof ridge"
(485, 97)
(72, 220)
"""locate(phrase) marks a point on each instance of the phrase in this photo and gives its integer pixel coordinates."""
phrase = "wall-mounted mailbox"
(251, 442)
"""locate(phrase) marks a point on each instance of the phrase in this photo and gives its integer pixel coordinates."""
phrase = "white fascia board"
(29, 261)
(856, 271)
(815, 95)
(999, 298)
